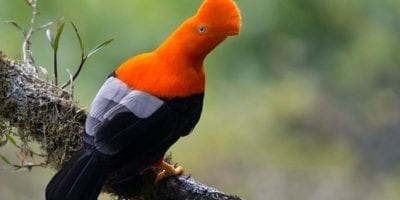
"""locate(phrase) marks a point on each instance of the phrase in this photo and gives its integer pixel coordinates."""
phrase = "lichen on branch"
(39, 112)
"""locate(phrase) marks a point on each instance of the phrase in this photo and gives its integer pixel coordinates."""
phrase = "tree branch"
(37, 111)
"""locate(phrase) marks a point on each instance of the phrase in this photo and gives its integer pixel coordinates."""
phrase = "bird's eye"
(202, 29)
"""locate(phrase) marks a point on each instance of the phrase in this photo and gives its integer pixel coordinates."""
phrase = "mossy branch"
(37, 111)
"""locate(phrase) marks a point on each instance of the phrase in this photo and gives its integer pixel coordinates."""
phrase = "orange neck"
(162, 75)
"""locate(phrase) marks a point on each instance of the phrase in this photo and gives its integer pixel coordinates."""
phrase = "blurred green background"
(304, 104)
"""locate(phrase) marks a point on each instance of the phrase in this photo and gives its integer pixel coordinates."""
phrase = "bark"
(37, 111)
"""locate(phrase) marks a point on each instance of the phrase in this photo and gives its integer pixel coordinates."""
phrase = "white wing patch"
(115, 97)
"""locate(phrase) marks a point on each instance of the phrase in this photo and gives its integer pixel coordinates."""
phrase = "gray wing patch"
(115, 97)
(139, 103)
(112, 91)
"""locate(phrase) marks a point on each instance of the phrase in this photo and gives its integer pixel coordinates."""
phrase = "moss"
(41, 113)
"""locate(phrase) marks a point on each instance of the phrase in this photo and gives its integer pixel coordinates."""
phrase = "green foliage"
(55, 41)
(5, 159)
(81, 45)
(84, 56)
(99, 47)
(11, 140)
(15, 24)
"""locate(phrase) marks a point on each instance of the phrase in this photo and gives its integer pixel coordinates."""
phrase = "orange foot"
(168, 170)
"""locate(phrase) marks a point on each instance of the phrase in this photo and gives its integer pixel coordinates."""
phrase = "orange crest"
(222, 14)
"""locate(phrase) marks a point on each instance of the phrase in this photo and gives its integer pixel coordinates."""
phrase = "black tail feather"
(82, 177)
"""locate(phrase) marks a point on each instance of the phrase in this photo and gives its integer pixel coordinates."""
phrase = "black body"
(124, 141)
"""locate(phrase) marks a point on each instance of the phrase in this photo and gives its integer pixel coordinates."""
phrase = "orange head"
(176, 67)
(197, 36)
(219, 18)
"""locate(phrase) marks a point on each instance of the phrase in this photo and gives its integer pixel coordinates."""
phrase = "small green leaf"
(79, 39)
(98, 47)
(29, 2)
(15, 24)
(3, 158)
(60, 29)
(11, 139)
(50, 37)
(48, 24)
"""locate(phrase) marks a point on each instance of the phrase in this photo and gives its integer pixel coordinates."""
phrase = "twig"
(44, 26)
(84, 56)
(78, 71)
(29, 166)
(26, 45)
(71, 80)
(55, 68)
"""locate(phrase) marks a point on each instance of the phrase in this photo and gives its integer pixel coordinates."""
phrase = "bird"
(146, 104)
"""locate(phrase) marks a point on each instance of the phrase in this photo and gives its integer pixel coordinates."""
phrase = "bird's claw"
(168, 170)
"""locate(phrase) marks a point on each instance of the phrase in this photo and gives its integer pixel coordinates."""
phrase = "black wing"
(129, 120)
